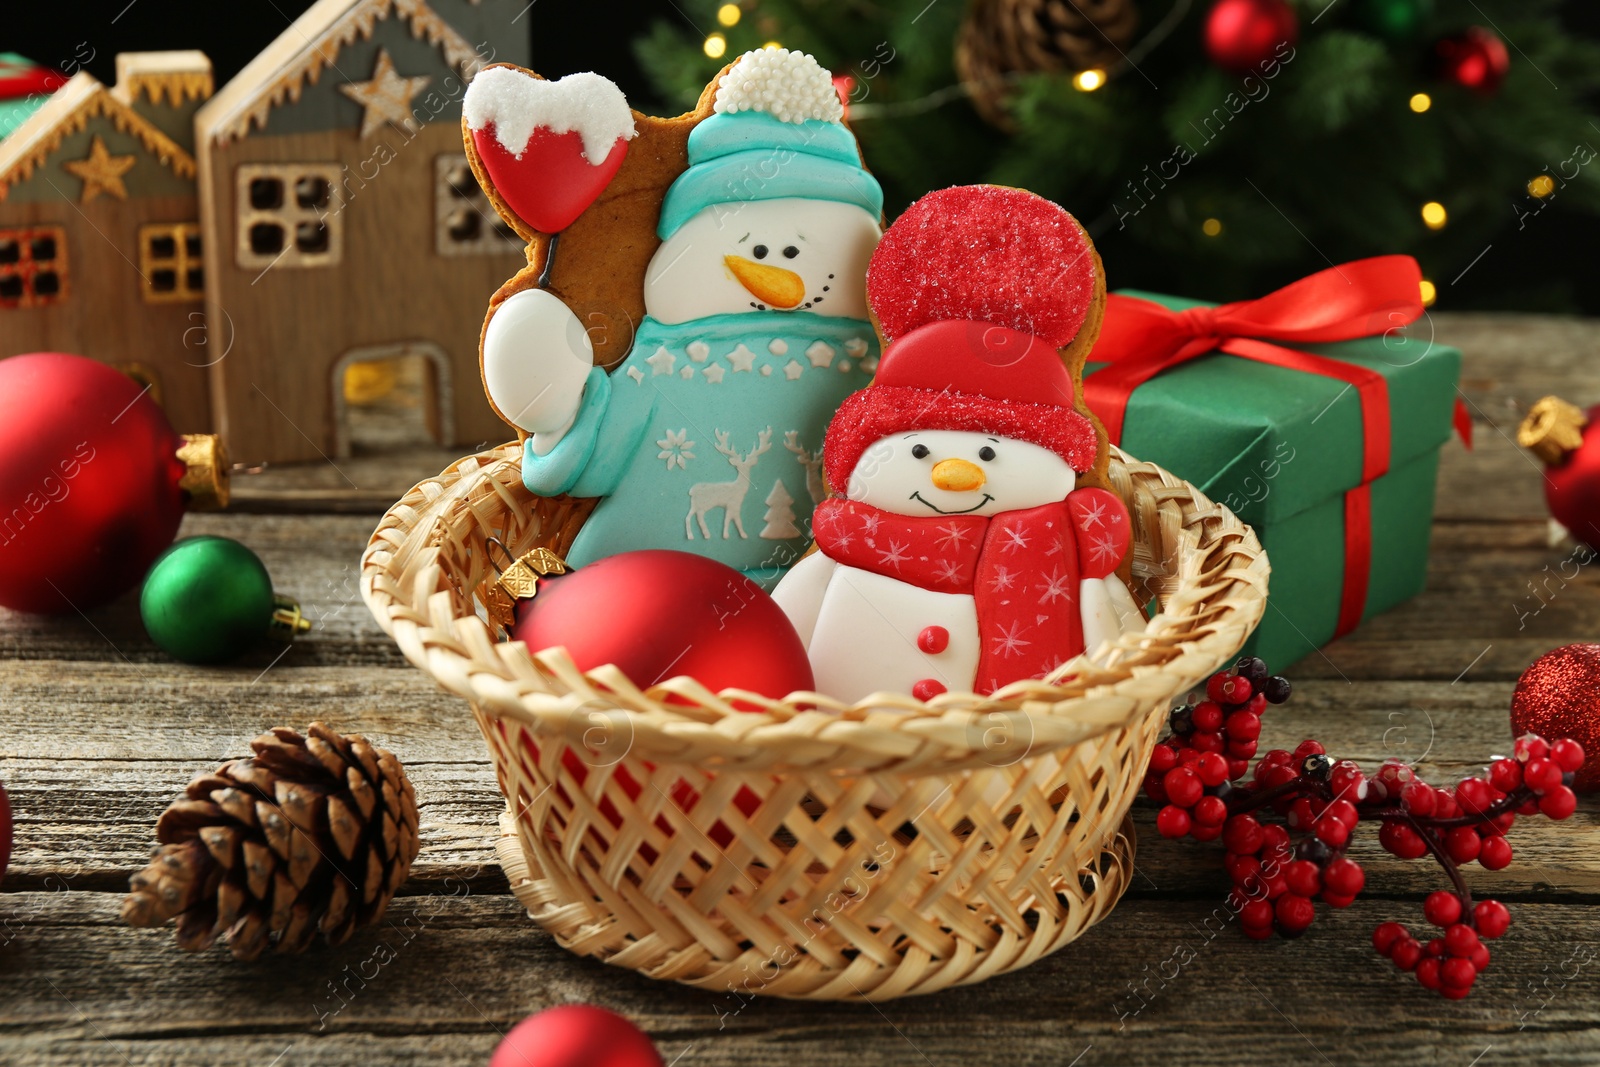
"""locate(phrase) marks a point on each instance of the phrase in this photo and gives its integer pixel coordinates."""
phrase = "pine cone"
(314, 834)
(1001, 38)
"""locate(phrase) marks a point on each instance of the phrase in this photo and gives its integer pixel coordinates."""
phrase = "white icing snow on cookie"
(517, 103)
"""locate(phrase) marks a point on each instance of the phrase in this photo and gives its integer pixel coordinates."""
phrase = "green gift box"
(1283, 448)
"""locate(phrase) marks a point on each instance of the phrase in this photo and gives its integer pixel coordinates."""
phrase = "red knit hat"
(975, 289)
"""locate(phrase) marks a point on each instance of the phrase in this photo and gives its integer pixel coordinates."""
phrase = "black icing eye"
(920, 451)
(759, 251)
(986, 453)
(790, 252)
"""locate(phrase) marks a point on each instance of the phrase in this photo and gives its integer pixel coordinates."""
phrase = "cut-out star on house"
(386, 98)
(101, 172)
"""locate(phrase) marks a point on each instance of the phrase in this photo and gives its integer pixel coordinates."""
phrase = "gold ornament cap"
(519, 580)
(206, 480)
(287, 620)
(1552, 430)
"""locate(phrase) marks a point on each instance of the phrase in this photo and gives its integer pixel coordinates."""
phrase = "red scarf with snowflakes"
(1021, 567)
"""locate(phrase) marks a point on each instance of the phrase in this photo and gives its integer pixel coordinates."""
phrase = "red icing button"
(928, 688)
(934, 639)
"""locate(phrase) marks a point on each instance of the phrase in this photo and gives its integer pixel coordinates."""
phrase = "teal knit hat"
(776, 133)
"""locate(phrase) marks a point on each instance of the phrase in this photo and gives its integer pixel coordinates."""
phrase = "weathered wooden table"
(100, 731)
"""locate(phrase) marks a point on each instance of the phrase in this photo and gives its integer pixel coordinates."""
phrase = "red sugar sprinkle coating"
(986, 253)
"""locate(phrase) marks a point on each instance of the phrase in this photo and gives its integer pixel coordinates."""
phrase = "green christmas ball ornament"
(1396, 21)
(208, 599)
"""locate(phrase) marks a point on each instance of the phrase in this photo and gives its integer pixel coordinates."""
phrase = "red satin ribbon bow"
(1140, 339)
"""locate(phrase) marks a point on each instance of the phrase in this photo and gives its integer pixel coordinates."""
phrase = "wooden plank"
(1168, 983)
(356, 485)
(1489, 584)
(87, 797)
(316, 560)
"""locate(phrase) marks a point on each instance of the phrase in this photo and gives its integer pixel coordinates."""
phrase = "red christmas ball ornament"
(659, 614)
(93, 482)
(1559, 696)
(5, 832)
(1241, 35)
(575, 1035)
(1558, 433)
(1475, 59)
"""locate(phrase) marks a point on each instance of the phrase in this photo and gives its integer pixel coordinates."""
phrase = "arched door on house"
(392, 397)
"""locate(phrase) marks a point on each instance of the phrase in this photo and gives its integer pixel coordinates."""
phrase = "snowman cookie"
(707, 437)
(965, 551)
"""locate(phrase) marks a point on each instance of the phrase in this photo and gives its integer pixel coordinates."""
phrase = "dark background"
(577, 35)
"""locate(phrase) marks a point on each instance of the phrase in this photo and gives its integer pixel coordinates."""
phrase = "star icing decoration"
(947, 571)
(792, 370)
(675, 449)
(386, 97)
(637, 375)
(686, 373)
(1057, 586)
(1010, 641)
(714, 373)
(820, 354)
(101, 172)
(1103, 548)
(698, 351)
(1014, 539)
(1002, 580)
(778, 346)
(894, 556)
(661, 362)
(1094, 514)
(952, 536)
(856, 347)
(742, 359)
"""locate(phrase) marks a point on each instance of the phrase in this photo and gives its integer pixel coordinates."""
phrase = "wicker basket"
(885, 849)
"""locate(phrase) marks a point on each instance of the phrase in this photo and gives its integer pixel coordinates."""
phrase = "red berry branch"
(1198, 774)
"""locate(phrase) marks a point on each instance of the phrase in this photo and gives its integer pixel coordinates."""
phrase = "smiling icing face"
(954, 472)
(764, 255)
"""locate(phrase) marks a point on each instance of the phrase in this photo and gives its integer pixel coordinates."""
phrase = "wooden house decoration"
(341, 223)
(99, 229)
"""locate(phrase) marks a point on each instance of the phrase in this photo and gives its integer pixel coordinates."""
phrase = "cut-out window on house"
(169, 260)
(288, 215)
(464, 223)
(33, 267)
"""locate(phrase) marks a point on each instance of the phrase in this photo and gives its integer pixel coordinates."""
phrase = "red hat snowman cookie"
(961, 553)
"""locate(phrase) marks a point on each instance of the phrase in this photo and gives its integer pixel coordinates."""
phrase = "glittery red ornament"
(1475, 59)
(1559, 696)
(91, 484)
(1560, 435)
(575, 1035)
(1241, 35)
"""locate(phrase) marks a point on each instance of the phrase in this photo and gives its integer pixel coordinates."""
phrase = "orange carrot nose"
(957, 475)
(773, 286)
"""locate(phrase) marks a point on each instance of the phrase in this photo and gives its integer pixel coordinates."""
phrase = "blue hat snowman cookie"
(707, 437)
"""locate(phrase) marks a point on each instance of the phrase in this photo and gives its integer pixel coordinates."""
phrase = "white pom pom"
(789, 86)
